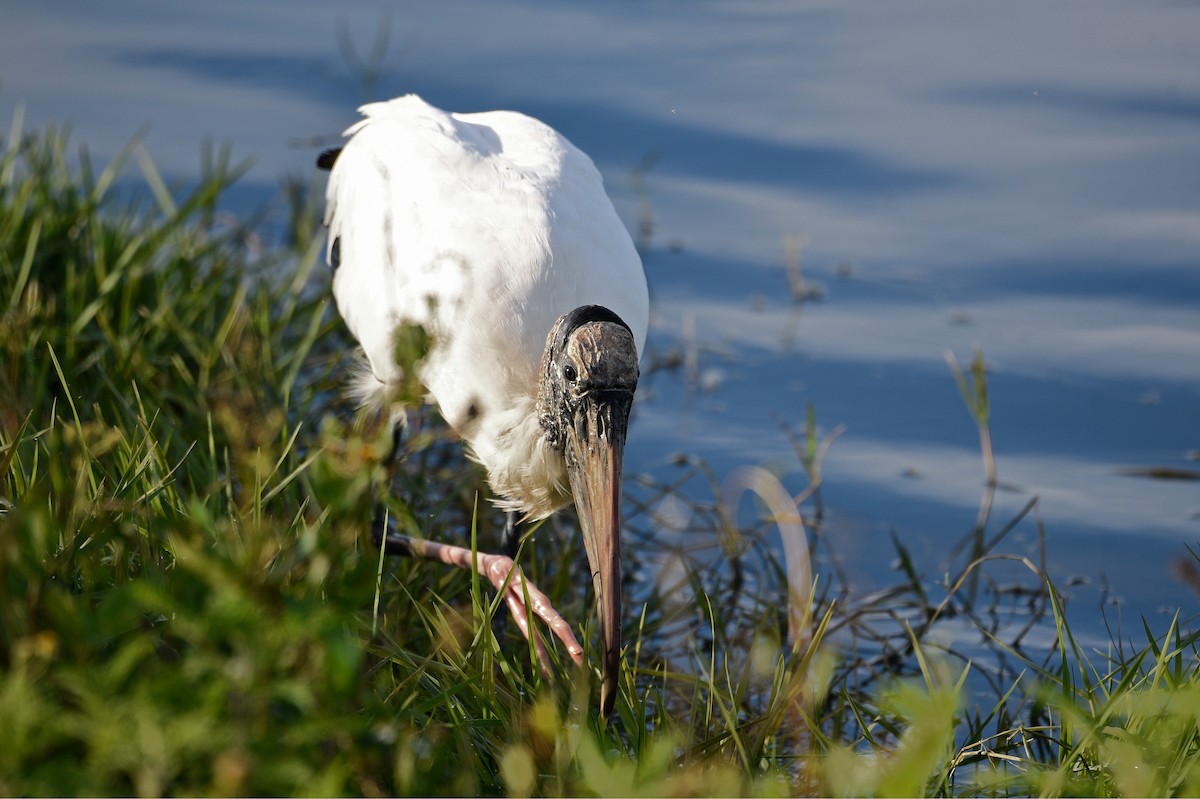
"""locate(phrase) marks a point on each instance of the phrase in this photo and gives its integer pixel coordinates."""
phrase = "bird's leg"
(500, 570)
(379, 532)
(509, 541)
(510, 538)
(507, 578)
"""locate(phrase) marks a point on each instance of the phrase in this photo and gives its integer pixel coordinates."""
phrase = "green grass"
(191, 604)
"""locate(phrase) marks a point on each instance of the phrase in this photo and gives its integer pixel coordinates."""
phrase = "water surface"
(1022, 178)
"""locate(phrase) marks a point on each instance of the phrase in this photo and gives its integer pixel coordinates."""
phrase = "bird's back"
(484, 229)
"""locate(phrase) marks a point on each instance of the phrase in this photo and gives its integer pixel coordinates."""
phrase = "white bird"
(493, 233)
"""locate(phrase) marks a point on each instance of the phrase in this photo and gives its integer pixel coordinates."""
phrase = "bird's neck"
(525, 472)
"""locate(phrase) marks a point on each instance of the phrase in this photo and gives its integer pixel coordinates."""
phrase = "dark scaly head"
(589, 375)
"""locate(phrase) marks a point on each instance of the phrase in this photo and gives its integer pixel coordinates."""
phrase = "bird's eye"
(569, 373)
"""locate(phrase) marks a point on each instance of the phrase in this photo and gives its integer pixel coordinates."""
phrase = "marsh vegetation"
(191, 603)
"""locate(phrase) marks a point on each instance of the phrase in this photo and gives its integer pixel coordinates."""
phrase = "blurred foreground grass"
(190, 604)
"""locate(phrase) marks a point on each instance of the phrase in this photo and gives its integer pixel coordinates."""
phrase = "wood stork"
(493, 233)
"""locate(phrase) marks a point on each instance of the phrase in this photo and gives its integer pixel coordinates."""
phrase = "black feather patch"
(335, 254)
(325, 160)
(581, 316)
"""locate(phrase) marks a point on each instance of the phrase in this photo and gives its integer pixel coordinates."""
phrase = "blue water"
(1021, 178)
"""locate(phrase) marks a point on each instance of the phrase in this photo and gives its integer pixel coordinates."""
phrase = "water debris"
(797, 559)
(800, 289)
(1160, 472)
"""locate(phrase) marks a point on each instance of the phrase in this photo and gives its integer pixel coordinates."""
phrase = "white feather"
(484, 229)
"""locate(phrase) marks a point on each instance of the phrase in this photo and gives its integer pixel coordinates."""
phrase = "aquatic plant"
(191, 605)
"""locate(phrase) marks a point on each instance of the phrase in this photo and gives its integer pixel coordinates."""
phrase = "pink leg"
(497, 569)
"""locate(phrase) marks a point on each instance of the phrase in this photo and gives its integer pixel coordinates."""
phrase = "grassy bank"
(191, 603)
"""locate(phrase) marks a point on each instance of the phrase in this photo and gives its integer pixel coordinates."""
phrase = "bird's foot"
(508, 579)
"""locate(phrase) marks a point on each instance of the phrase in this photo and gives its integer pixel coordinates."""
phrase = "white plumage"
(483, 228)
(493, 233)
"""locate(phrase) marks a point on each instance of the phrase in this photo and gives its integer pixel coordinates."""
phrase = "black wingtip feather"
(325, 160)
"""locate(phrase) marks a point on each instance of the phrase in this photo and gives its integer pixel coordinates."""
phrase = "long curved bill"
(597, 442)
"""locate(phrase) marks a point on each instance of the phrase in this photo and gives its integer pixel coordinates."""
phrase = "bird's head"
(589, 374)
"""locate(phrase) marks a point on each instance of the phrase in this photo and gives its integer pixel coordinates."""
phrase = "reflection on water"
(962, 179)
